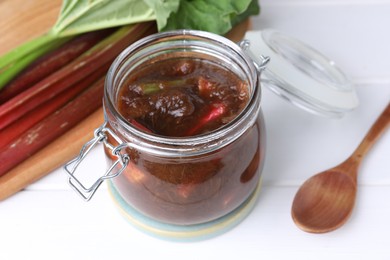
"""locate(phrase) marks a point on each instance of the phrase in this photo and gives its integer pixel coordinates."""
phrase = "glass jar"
(188, 180)
(211, 179)
(183, 180)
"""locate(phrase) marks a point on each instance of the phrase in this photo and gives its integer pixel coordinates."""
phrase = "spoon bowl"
(325, 201)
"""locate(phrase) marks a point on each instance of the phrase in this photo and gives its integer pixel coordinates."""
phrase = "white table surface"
(49, 221)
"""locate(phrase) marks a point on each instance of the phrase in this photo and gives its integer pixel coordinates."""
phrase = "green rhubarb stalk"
(25, 49)
(19, 58)
(153, 87)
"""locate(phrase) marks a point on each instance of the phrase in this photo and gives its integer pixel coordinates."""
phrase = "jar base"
(182, 233)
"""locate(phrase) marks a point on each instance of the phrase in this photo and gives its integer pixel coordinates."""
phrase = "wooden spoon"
(325, 201)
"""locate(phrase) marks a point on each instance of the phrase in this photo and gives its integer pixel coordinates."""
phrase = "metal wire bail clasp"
(259, 61)
(100, 136)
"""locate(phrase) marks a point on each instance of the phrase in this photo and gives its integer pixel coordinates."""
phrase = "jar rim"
(191, 145)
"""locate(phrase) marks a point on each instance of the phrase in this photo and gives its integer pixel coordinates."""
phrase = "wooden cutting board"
(22, 20)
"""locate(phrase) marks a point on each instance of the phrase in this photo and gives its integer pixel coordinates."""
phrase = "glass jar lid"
(301, 74)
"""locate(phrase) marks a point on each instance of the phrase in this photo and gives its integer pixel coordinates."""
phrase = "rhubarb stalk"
(52, 127)
(59, 81)
(17, 128)
(51, 62)
(55, 154)
(19, 58)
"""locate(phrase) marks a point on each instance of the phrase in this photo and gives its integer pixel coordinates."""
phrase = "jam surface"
(182, 97)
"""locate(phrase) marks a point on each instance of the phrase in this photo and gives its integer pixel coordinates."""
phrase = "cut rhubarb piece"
(216, 112)
(205, 86)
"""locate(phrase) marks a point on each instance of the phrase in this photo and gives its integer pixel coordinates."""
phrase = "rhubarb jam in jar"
(188, 107)
(184, 135)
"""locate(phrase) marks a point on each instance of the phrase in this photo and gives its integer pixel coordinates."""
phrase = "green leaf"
(163, 9)
(208, 15)
(253, 9)
(78, 16)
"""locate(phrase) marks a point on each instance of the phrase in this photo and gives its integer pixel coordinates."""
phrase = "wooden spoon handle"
(373, 134)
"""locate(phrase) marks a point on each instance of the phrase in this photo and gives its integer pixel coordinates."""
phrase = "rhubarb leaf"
(252, 9)
(210, 15)
(78, 16)
(163, 9)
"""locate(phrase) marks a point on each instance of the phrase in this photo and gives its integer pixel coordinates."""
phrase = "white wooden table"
(49, 221)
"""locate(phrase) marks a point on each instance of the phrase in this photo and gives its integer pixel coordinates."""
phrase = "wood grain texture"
(23, 20)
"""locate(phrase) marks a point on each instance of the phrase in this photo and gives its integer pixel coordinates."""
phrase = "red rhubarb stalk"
(51, 62)
(52, 127)
(103, 52)
(216, 111)
(17, 128)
